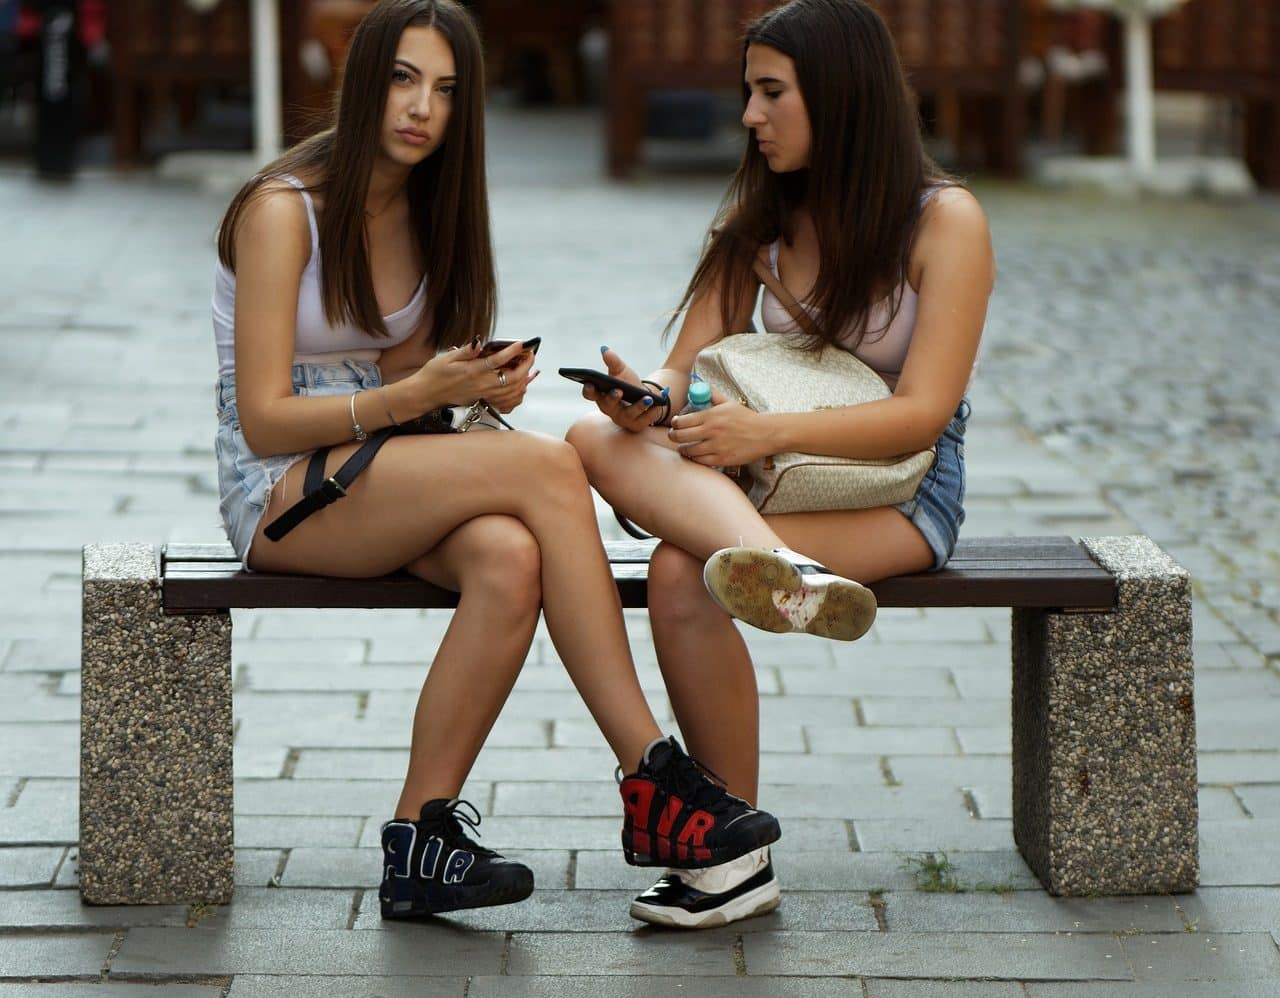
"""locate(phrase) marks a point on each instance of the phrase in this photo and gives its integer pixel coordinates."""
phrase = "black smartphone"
(493, 346)
(605, 383)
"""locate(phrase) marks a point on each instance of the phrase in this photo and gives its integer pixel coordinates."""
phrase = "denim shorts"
(245, 480)
(937, 509)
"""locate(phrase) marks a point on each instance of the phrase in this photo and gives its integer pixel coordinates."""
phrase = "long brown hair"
(864, 185)
(448, 198)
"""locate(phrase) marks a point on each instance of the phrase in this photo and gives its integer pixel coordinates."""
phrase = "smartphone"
(605, 383)
(493, 346)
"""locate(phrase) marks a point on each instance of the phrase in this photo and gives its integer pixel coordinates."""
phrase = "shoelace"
(695, 784)
(452, 817)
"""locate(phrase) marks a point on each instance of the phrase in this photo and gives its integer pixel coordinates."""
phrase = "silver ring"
(502, 378)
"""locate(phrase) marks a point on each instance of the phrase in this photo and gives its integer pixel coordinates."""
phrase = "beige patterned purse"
(770, 373)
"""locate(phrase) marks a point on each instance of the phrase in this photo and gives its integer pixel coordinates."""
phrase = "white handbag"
(770, 372)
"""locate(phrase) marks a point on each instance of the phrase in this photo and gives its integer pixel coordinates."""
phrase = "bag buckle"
(332, 490)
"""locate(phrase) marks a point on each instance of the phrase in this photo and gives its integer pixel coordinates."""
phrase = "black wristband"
(659, 398)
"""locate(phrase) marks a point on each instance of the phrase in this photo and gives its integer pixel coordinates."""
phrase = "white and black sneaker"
(717, 895)
(785, 592)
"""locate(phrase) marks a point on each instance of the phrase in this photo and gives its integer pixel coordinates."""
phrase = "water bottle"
(699, 398)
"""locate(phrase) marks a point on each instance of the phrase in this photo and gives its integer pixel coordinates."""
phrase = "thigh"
(415, 492)
(861, 544)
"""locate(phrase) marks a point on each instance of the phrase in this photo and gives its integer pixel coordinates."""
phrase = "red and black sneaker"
(676, 815)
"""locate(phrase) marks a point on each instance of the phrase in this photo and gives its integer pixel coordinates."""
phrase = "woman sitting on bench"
(893, 262)
(355, 291)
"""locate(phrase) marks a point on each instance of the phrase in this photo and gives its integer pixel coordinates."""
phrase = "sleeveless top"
(884, 347)
(315, 340)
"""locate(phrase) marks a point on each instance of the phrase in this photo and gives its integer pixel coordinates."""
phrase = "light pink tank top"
(315, 340)
(884, 347)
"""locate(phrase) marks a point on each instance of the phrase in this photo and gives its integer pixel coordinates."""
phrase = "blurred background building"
(1001, 83)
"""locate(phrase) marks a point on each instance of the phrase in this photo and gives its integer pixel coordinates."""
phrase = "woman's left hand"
(724, 436)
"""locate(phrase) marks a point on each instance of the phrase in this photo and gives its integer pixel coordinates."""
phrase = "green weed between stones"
(934, 873)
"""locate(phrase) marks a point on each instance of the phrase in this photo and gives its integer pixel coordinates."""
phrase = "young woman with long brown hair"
(355, 289)
(892, 262)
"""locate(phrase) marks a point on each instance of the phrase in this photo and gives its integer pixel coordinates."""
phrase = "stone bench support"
(155, 740)
(1104, 742)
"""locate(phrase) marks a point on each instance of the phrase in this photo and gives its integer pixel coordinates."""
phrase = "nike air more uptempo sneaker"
(432, 866)
(676, 815)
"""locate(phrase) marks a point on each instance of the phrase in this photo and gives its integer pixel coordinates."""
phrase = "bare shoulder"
(953, 210)
(953, 228)
(274, 218)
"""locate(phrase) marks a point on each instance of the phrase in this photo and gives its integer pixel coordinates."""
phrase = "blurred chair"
(965, 54)
(1230, 48)
(164, 51)
(668, 45)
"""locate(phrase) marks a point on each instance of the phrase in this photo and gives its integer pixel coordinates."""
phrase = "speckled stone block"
(155, 740)
(1104, 735)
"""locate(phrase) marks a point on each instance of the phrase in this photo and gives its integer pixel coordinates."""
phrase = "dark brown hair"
(867, 174)
(448, 199)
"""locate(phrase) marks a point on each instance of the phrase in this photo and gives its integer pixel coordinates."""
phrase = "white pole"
(266, 81)
(1140, 85)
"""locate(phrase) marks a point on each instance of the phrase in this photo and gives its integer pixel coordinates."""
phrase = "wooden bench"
(1104, 765)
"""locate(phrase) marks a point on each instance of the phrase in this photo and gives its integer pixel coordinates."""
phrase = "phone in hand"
(605, 383)
(494, 346)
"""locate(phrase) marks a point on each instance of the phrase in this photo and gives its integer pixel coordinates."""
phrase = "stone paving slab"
(659, 987)
(1165, 989)
(355, 868)
(1029, 912)
(943, 989)
(598, 953)
(297, 986)
(936, 955)
(221, 951)
(87, 990)
(61, 955)
(1203, 957)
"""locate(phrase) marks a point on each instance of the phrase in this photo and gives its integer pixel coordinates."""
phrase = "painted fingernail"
(647, 401)
(602, 350)
(666, 392)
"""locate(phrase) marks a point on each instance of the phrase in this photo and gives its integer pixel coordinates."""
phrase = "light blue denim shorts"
(245, 480)
(937, 509)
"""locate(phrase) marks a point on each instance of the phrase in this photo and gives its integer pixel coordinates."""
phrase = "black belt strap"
(319, 491)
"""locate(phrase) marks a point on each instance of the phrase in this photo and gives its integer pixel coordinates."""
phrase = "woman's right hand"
(634, 417)
(461, 375)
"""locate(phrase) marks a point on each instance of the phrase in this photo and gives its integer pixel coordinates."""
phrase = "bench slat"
(1023, 572)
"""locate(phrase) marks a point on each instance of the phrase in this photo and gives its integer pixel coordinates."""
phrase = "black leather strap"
(320, 491)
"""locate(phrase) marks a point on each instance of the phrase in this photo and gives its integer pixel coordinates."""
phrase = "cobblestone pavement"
(1128, 384)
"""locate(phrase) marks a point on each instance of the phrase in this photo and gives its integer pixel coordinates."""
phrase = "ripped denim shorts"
(245, 480)
(937, 508)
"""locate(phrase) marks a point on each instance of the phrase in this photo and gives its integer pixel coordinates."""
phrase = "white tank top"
(315, 340)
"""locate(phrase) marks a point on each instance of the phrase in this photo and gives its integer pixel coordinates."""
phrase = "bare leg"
(707, 669)
(494, 562)
(422, 487)
(646, 480)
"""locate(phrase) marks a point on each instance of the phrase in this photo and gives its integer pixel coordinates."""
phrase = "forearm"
(296, 423)
(885, 428)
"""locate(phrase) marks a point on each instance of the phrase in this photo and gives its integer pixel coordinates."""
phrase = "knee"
(506, 566)
(556, 462)
(588, 437)
(676, 589)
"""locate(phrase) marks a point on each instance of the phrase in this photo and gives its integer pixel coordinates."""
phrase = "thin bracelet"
(356, 428)
(386, 407)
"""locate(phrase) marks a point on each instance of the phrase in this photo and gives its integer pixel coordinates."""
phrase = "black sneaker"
(430, 865)
(718, 895)
(676, 816)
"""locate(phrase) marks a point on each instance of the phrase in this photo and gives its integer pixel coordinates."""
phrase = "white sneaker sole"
(761, 901)
(765, 590)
